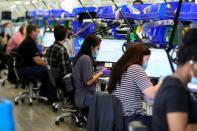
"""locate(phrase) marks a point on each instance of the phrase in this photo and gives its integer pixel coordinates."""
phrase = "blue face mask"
(145, 65)
(8, 31)
(94, 55)
(39, 37)
(194, 80)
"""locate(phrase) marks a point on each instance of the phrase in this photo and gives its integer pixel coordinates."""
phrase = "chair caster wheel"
(34, 99)
(61, 120)
(22, 100)
(54, 109)
(16, 102)
(57, 123)
(30, 104)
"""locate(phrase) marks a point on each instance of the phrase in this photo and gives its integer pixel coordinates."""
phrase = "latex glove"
(105, 71)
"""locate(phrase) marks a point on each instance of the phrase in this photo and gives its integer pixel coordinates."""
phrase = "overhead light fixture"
(34, 1)
(18, 2)
(12, 7)
(68, 5)
(27, 2)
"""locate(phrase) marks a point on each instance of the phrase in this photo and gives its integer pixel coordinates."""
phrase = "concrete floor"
(38, 117)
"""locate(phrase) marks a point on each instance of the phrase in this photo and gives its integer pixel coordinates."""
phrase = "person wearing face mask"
(174, 107)
(16, 39)
(129, 83)
(84, 71)
(57, 56)
(69, 42)
(13, 42)
(33, 64)
(7, 32)
(4, 37)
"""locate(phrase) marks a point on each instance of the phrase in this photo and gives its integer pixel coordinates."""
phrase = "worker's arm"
(38, 60)
(94, 78)
(178, 121)
(151, 91)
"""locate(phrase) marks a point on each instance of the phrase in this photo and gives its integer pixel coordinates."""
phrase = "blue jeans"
(88, 100)
(146, 120)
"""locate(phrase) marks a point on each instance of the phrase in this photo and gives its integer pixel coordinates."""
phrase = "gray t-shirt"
(82, 72)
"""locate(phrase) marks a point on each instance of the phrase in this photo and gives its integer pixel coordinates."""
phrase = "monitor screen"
(77, 44)
(42, 31)
(15, 29)
(6, 15)
(158, 64)
(48, 39)
(110, 50)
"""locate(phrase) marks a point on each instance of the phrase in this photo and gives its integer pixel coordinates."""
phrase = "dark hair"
(86, 47)
(21, 29)
(59, 33)
(133, 55)
(137, 2)
(188, 50)
(31, 28)
(7, 23)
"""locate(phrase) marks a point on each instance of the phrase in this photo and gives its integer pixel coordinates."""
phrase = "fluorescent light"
(27, 3)
(34, 1)
(13, 6)
(68, 5)
(18, 2)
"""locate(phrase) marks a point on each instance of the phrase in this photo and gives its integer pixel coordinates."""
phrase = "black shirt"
(28, 49)
(172, 97)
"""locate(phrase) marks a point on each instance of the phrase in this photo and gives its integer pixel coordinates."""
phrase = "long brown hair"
(133, 55)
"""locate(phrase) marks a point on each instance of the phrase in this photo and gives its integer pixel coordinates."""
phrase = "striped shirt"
(129, 91)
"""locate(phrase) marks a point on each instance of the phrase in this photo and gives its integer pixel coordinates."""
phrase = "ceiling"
(19, 7)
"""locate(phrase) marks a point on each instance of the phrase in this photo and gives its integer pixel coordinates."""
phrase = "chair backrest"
(105, 113)
(51, 76)
(17, 61)
(67, 83)
(17, 58)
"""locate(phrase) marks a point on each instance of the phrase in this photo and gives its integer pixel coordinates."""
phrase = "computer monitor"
(158, 64)
(110, 50)
(48, 39)
(42, 29)
(77, 44)
(15, 29)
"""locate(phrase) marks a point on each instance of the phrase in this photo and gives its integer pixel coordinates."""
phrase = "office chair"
(2, 80)
(69, 108)
(4, 77)
(53, 74)
(33, 91)
(137, 126)
(105, 113)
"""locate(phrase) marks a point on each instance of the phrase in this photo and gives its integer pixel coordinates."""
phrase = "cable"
(175, 26)
(96, 25)
(49, 9)
(131, 28)
(171, 10)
